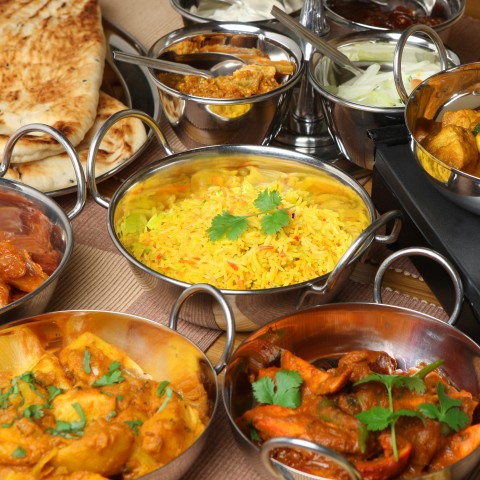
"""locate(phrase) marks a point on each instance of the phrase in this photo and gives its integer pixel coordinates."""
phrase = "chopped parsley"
(114, 375)
(70, 429)
(134, 424)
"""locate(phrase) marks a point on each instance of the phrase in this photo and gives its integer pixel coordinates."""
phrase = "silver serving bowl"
(191, 17)
(348, 122)
(453, 89)
(271, 302)
(36, 301)
(155, 347)
(329, 331)
(340, 25)
(196, 120)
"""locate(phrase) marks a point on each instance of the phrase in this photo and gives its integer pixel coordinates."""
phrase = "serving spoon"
(321, 45)
(224, 68)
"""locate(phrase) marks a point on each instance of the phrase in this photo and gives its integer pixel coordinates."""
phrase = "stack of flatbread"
(52, 56)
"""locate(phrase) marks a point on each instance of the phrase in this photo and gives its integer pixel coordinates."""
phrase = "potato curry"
(455, 140)
(89, 412)
(260, 74)
(388, 423)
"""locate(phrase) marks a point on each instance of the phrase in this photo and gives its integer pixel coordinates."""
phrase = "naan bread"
(118, 145)
(52, 56)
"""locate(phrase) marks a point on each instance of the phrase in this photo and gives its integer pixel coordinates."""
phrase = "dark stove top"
(434, 221)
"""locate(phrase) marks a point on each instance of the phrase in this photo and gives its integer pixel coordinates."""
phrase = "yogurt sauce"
(246, 11)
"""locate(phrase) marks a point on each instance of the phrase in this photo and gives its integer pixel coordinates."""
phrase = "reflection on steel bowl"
(349, 120)
(196, 116)
(105, 395)
(346, 16)
(449, 154)
(321, 336)
(177, 173)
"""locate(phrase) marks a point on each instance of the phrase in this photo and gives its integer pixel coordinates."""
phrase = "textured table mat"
(98, 276)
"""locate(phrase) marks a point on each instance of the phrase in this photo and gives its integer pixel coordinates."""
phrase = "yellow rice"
(166, 229)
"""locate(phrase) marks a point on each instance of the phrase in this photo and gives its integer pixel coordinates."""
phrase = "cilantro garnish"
(134, 424)
(70, 429)
(19, 452)
(86, 361)
(476, 130)
(168, 396)
(161, 388)
(112, 414)
(448, 412)
(233, 226)
(33, 411)
(53, 392)
(14, 390)
(379, 418)
(284, 391)
(114, 375)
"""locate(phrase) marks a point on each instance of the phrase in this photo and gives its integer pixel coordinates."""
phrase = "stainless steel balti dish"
(321, 335)
(271, 302)
(199, 121)
(161, 353)
(17, 198)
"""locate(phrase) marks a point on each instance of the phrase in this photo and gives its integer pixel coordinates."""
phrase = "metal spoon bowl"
(223, 68)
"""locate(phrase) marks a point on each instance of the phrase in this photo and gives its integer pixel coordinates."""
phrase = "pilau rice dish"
(164, 226)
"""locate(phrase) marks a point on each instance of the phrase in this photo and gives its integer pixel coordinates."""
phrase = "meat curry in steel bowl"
(362, 391)
(443, 119)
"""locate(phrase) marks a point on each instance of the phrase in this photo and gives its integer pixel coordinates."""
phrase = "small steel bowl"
(183, 7)
(349, 123)
(453, 89)
(196, 121)
(36, 302)
(340, 25)
(153, 346)
(245, 303)
(329, 331)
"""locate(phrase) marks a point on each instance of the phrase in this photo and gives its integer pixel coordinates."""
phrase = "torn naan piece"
(120, 142)
(52, 55)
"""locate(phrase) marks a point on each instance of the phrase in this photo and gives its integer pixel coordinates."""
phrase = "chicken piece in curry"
(455, 140)
(89, 412)
(347, 408)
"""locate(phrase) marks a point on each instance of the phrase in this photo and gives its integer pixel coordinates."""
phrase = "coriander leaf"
(227, 224)
(33, 411)
(53, 392)
(274, 222)
(476, 130)
(70, 429)
(285, 391)
(376, 418)
(423, 372)
(114, 375)
(112, 414)
(253, 433)
(134, 424)
(168, 396)
(86, 361)
(19, 452)
(447, 412)
(8, 425)
(267, 201)
(161, 388)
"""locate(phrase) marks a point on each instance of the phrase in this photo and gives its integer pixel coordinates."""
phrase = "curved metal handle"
(280, 471)
(71, 152)
(425, 252)
(227, 311)
(98, 137)
(397, 56)
(357, 248)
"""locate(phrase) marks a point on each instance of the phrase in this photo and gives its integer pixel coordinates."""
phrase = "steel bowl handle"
(280, 471)
(356, 249)
(66, 144)
(425, 252)
(227, 311)
(397, 56)
(98, 137)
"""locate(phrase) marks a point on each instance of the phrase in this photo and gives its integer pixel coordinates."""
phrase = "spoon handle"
(321, 45)
(158, 64)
